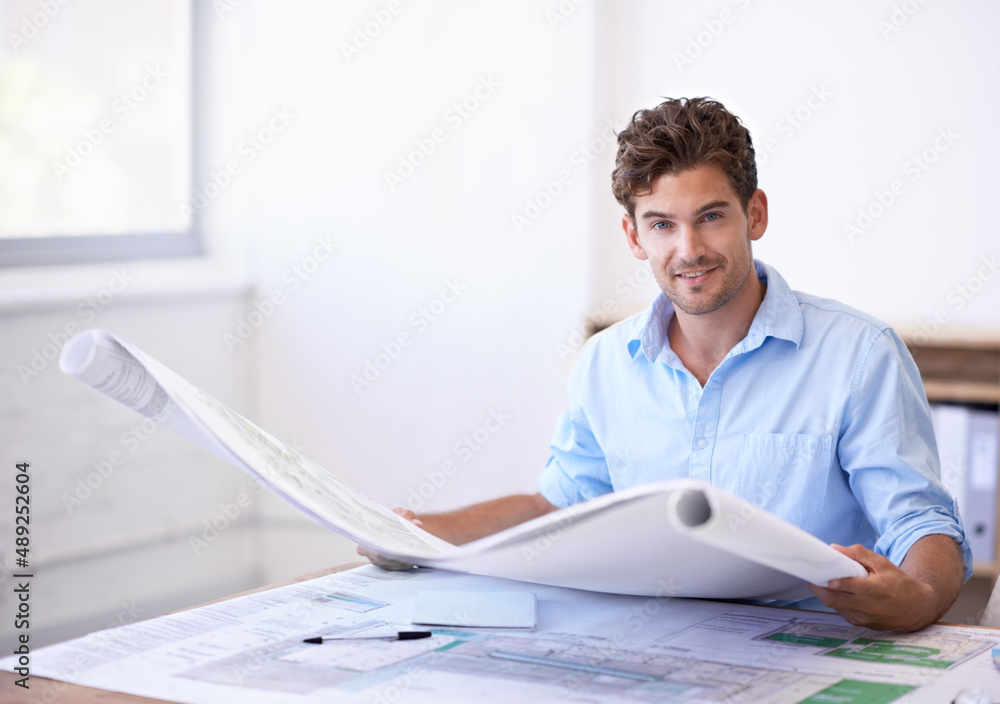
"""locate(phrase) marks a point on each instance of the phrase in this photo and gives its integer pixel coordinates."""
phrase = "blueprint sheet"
(707, 543)
(587, 647)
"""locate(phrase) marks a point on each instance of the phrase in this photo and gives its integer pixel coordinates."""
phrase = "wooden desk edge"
(63, 692)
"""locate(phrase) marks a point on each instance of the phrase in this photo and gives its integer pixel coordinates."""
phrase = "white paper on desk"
(677, 538)
(475, 609)
(603, 648)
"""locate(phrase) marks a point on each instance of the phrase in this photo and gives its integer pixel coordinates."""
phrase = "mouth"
(695, 277)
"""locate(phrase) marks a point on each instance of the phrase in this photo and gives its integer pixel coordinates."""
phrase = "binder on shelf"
(981, 489)
(951, 429)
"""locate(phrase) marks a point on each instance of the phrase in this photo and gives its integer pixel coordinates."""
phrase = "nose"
(690, 244)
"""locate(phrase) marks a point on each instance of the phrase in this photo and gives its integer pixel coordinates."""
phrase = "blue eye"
(711, 217)
(656, 225)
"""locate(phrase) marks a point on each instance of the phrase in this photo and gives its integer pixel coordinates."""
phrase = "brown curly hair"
(680, 134)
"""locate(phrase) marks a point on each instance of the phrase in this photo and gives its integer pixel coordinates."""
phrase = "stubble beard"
(730, 288)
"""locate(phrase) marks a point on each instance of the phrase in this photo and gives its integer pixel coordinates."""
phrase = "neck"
(703, 341)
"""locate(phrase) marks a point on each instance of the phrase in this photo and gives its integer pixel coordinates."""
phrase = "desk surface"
(75, 694)
(588, 642)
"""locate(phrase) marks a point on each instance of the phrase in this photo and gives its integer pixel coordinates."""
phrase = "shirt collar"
(778, 316)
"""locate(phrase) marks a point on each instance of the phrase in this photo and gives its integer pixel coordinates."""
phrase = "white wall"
(890, 81)
(115, 505)
(491, 349)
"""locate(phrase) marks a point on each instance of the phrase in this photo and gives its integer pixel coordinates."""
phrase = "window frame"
(61, 250)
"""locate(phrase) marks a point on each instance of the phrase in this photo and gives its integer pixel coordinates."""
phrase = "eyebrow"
(651, 214)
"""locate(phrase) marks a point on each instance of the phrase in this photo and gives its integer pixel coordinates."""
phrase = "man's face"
(694, 233)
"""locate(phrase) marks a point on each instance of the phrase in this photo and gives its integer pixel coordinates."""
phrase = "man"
(801, 405)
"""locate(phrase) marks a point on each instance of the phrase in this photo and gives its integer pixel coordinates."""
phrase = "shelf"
(985, 569)
(961, 391)
(953, 336)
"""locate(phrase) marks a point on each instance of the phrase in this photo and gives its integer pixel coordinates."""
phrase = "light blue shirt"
(818, 415)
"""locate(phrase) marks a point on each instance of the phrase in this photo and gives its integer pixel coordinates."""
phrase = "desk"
(609, 648)
(75, 694)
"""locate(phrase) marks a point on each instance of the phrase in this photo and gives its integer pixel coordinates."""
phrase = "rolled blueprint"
(675, 538)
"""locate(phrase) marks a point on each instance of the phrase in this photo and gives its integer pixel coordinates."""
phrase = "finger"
(830, 596)
(387, 563)
(365, 552)
(869, 584)
(843, 604)
(867, 599)
(380, 560)
(855, 552)
(821, 593)
(847, 585)
(373, 557)
(871, 561)
(408, 515)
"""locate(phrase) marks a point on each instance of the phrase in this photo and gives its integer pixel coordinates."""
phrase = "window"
(96, 138)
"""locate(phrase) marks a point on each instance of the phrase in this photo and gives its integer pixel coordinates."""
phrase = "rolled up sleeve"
(890, 456)
(576, 470)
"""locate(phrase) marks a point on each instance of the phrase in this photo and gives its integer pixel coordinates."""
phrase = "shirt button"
(702, 443)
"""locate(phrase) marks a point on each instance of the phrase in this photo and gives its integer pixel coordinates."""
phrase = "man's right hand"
(387, 563)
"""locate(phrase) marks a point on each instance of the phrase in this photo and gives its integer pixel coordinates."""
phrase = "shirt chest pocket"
(785, 473)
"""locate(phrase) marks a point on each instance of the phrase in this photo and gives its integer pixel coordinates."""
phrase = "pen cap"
(413, 635)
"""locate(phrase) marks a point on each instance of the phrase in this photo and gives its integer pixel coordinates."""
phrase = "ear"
(628, 225)
(757, 214)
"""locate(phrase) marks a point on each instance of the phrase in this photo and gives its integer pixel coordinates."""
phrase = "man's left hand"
(888, 599)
